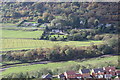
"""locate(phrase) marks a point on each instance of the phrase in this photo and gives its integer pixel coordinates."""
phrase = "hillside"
(77, 11)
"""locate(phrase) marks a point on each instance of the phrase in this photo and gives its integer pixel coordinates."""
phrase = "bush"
(52, 39)
(15, 21)
(73, 31)
(70, 38)
(98, 37)
(105, 49)
(60, 39)
(113, 42)
(89, 37)
(107, 37)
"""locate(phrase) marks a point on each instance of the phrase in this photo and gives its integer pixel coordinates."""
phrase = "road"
(3, 68)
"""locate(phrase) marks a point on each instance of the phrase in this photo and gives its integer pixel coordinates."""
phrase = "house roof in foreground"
(70, 72)
(110, 68)
(98, 70)
(47, 76)
(85, 70)
(61, 75)
(118, 72)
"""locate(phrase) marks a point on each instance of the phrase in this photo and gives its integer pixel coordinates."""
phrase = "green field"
(18, 39)
(20, 28)
(20, 34)
(90, 63)
(7, 24)
(18, 44)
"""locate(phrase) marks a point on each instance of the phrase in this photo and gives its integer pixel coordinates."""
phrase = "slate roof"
(98, 70)
(47, 76)
(61, 75)
(85, 71)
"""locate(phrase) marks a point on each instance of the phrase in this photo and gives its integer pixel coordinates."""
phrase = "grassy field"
(18, 44)
(7, 24)
(20, 28)
(90, 63)
(20, 34)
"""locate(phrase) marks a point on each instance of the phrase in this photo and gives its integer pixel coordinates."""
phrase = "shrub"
(107, 37)
(60, 39)
(73, 31)
(52, 39)
(98, 37)
(89, 37)
(105, 49)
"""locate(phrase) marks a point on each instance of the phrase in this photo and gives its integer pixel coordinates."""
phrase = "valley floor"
(62, 66)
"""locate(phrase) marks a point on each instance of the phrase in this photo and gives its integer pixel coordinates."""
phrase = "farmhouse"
(30, 24)
(108, 25)
(81, 22)
(56, 31)
(34, 24)
(100, 25)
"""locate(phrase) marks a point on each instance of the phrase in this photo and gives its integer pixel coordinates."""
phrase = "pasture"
(18, 44)
(90, 63)
(7, 24)
(19, 28)
(15, 38)
(20, 34)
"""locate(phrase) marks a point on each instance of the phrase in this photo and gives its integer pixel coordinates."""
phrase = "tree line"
(81, 34)
(58, 53)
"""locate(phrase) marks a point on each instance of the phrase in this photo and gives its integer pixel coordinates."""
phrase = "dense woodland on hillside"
(72, 12)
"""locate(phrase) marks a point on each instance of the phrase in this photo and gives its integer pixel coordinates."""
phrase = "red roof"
(109, 68)
(78, 75)
(70, 73)
(118, 71)
(86, 75)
